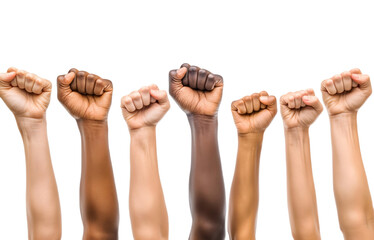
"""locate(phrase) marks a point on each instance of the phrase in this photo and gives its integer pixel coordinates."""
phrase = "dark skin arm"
(198, 92)
(87, 98)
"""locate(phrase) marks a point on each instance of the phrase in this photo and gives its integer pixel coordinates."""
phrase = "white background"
(277, 46)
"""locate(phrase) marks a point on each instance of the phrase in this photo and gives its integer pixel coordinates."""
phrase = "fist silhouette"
(85, 95)
(145, 107)
(254, 113)
(346, 92)
(300, 109)
(197, 91)
(26, 94)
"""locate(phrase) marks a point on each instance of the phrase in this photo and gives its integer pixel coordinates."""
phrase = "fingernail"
(263, 98)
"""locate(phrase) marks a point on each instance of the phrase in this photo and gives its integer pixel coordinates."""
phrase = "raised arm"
(252, 115)
(142, 111)
(198, 92)
(87, 97)
(28, 96)
(343, 95)
(299, 110)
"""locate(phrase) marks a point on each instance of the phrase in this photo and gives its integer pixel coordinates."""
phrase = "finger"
(81, 81)
(202, 78)
(291, 102)
(363, 80)
(21, 74)
(137, 99)
(160, 95)
(238, 106)
(297, 98)
(347, 81)
(185, 67)
(146, 97)
(263, 93)
(338, 82)
(102, 86)
(154, 87)
(284, 100)
(192, 76)
(330, 87)
(90, 83)
(46, 86)
(248, 104)
(210, 82)
(256, 102)
(74, 82)
(127, 103)
(270, 102)
(313, 102)
(13, 81)
(29, 82)
(7, 77)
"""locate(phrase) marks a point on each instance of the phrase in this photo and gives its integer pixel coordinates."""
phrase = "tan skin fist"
(300, 109)
(26, 94)
(346, 92)
(254, 113)
(145, 107)
(197, 91)
(85, 95)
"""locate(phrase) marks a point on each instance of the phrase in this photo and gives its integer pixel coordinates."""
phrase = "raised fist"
(197, 91)
(145, 107)
(254, 113)
(26, 94)
(346, 92)
(300, 109)
(85, 95)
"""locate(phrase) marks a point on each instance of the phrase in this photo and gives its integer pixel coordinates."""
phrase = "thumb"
(160, 95)
(313, 102)
(363, 80)
(177, 75)
(7, 77)
(270, 102)
(63, 85)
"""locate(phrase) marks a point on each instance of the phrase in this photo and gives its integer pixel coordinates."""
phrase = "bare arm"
(252, 115)
(142, 110)
(343, 95)
(299, 110)
(27, 96)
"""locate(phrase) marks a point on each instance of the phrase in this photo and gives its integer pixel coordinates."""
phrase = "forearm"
(99, 204)
(42, 201)
(207, 192)
(148, 212)
(302, 203)
(244, 190)
(351, 188)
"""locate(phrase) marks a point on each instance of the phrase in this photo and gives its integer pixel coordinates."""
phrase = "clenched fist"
(346, 92)
(254, 113)
(26, 94)
(145, 107)
(197, 91)
(300, 109)
(85, 95)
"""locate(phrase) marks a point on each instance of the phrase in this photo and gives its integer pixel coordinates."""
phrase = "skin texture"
(142, 110)
(343, 95)
(198, 92)
(28, 96)
(87, 97)
(299, 110)
(252, 115)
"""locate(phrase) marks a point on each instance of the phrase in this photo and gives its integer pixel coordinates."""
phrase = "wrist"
(298, 129)
(89, 127)
(344, 115)
(200, 118)
(30, 127)
(253, 137)
(142, 131)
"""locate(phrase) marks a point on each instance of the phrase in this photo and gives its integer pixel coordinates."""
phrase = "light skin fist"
(300, 109)
(145, 107)
(254, 113)
(197, 91)
(26, 94)
(346, 92)
(85, 95)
